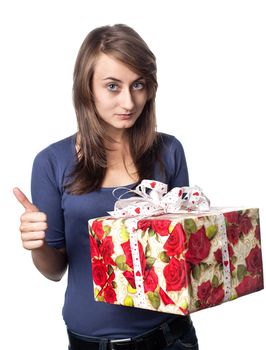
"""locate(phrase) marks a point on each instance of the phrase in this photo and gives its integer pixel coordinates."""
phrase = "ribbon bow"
(153, 199)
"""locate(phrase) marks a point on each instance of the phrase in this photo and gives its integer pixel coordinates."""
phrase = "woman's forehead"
(109, 67)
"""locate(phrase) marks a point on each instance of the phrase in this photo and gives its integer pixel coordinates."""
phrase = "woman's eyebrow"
(111, 78)
(119, 81)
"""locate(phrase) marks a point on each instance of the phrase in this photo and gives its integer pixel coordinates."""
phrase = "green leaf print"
(110, 270)
(124, 233)
(154, 298)
(151, 232)
(211, 231)
(190, 226)
(106, 229)
(148, 251)
(241, 272)
(196, 272)
(164, 257)
(150, 261)
(121, 262)
(197, 304)
(215, 282)
(190, 290)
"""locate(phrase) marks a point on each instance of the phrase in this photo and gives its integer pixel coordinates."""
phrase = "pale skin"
(120, 96)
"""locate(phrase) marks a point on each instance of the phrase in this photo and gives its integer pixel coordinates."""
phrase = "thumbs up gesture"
(33, 223)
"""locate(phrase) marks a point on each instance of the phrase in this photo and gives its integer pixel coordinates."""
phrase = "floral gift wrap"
(176, 263)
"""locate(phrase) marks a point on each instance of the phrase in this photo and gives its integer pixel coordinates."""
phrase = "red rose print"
(219, 258)
(257, 232)
(204, 291)
(153, 184)
(175, 244)
(259, 282)
(249, 285)
(230, 250)
(209, 296)
(106, 250)
(109, 294)
(150, 280)
(254, 261)
(217, 296)
(161, 227)
(232, 267)
(94, 247)
(245, 224)
(111, 277)
(129, 275)
(175, 274)
(165, 298)
(218, 254)
(198, 246)
(233, 233)
(144, 224)
(97, 227)
(99, 272)
(232, 217)
(127, 250)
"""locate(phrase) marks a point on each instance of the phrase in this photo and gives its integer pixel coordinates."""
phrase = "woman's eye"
(112, 87)
(138, 85)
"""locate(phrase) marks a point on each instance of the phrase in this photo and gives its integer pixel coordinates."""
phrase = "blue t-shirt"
(68, 217)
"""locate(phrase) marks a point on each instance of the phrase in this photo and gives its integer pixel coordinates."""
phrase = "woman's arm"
(51, 262)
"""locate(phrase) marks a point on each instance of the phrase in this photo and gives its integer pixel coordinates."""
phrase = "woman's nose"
(127, 101)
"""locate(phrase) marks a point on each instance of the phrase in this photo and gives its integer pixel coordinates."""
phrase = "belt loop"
(168, 336)
(137, 343)
(103, 344)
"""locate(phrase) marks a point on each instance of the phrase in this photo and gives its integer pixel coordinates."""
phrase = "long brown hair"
(124, 44)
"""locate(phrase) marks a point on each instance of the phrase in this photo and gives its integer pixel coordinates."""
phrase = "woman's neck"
(115, 145)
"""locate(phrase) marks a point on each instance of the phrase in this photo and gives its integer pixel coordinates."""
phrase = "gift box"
(176, 263)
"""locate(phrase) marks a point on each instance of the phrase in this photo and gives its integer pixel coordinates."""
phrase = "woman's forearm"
(51, 262)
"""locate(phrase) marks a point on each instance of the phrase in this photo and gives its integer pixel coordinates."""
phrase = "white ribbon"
(225, 257)
(132, 225)
(158, 201)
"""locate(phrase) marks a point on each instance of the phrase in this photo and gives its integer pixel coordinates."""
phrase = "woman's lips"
(125, 115)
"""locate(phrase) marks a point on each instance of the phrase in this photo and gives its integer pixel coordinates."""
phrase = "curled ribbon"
(153, 199)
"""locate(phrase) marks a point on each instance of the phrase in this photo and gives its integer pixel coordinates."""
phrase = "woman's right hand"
(33, 223)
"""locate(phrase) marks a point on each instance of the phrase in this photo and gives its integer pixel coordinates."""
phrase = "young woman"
(72, 181)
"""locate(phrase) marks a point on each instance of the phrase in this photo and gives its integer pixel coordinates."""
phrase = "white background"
(212, 83)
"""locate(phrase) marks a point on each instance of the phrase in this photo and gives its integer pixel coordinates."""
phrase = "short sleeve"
(46, 195)
(177, 165)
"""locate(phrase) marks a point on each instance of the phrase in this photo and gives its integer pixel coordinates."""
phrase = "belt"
(156, 339)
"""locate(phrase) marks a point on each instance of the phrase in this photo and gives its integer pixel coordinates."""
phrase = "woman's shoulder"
(173, 157)
(62, 149)
(169, 142)
(59, 155)
(55, 161)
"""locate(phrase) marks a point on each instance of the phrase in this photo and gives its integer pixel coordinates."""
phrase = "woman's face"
(119, 94)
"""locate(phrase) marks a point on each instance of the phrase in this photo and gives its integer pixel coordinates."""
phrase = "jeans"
(188, 341)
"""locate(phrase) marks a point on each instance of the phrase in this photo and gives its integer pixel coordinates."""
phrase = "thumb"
(22, 198)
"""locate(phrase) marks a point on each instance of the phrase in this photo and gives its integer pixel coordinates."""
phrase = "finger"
(36, 216)
(31, 245)
(21, 197)
(33, 226)
(32, 236)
